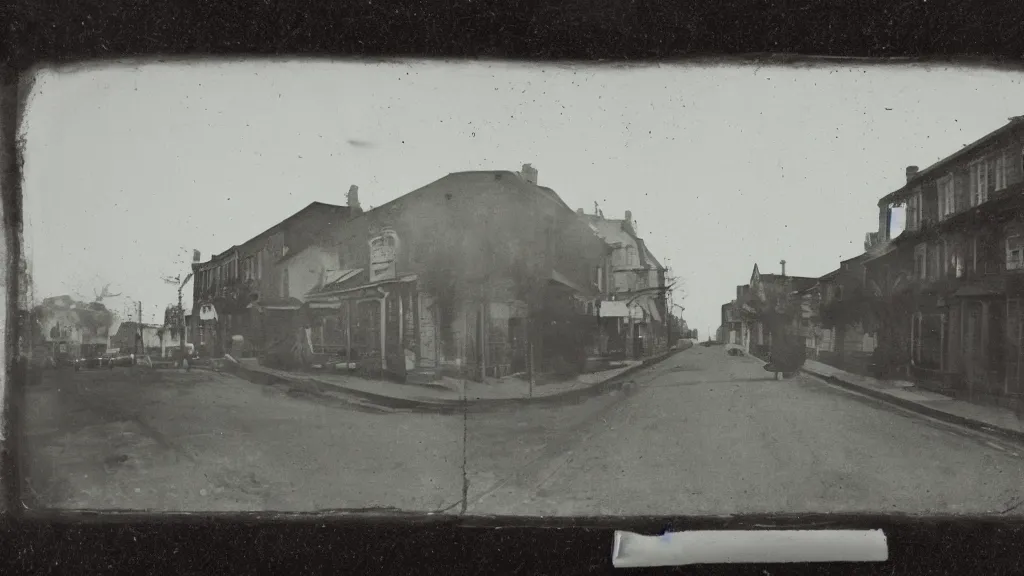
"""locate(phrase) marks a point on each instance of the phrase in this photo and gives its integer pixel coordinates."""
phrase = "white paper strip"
(748, 547)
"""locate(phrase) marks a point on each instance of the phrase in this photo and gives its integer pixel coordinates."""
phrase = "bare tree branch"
(104, 293)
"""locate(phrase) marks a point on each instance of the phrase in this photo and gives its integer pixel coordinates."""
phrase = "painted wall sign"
(383, 256)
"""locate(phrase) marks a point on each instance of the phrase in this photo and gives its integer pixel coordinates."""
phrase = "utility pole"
(139, 339)
(181, 317)
(180, 320)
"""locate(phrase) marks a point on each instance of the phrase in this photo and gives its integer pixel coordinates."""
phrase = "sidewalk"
(904, 394)
(450, 395)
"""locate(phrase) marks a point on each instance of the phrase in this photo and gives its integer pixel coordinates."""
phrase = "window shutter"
(961, 185)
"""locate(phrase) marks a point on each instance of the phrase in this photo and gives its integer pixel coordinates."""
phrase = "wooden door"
(366, 336)
(995, 361)
(1013, 347)
(974, 353)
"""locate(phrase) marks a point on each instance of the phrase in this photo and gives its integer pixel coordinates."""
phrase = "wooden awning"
(350, 289)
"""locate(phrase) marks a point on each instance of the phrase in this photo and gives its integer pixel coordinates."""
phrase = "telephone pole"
(181, 317)
(139, 339)
(180, 320)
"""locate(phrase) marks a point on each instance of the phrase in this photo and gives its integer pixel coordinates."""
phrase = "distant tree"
(173, 315)
(774, 306)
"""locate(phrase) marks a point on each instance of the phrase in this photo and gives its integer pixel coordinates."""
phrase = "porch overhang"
(561, 279)
(648, 306)
(276, 304)
(358, 292)
(978, 292)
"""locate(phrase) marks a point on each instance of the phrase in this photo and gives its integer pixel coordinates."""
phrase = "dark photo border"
(621, 32)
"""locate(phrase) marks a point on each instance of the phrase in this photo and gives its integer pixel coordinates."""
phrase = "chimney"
(353, 199)
(195, 256)
(629, 217)
(783, 263)
(579, 211)
(529, 174)
(911, 172)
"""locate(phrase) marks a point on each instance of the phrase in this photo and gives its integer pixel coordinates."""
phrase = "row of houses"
(481, 274)
(940, 302)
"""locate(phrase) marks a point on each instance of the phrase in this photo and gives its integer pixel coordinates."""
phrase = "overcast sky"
(129, 168)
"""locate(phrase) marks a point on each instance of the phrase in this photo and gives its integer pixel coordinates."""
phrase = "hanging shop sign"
(207, 312)
(383, 256)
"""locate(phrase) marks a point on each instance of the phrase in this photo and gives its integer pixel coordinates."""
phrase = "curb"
(921, 409)
(312, 384)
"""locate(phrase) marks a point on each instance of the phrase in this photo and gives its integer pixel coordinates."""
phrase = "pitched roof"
(615, 232)
(313, 206)
(467, 179)
(830, 275)
(898, 196)
(799, 282)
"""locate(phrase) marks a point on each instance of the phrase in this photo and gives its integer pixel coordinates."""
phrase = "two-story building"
(731, 329)
(633, 306)
(762, 294)
(480, 273)
(947, 290)
(235, 291)
(850, 345)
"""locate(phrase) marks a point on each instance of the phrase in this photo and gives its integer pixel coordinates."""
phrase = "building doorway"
(366, 337)
(974, 349)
